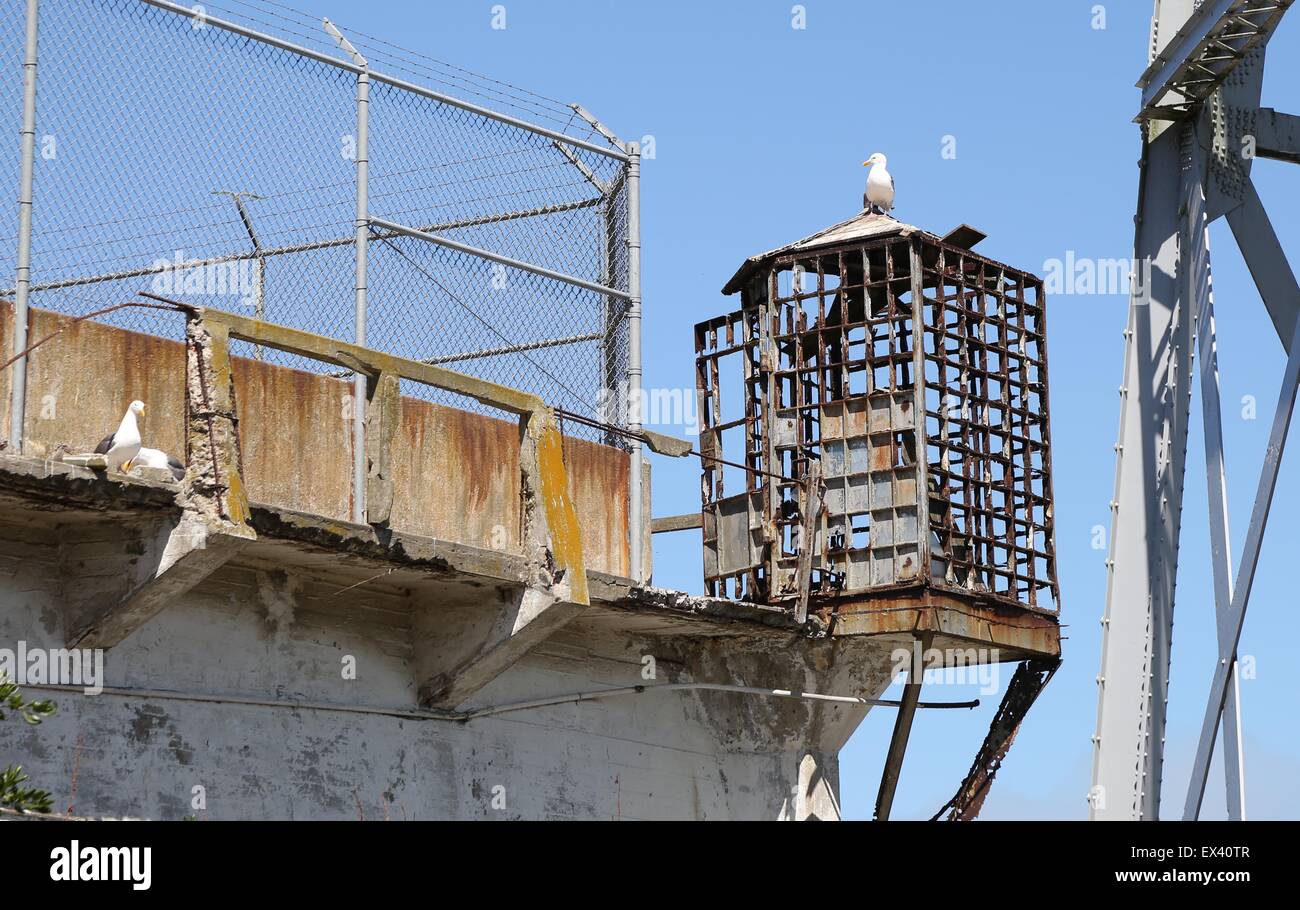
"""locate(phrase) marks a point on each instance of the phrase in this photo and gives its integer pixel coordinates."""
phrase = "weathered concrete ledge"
(1016, 633)
(66, 487)
(408, 551)
(73, 487)
(622, 594)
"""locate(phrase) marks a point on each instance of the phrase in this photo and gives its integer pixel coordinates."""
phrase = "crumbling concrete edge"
(622, 594)
(427, 555)
(82, 488)
(67, 485)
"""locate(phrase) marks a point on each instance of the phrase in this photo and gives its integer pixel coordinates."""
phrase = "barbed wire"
(412, 56)
(400, 59)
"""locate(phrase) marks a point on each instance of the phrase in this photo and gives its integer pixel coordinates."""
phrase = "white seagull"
(879, 196)
(119, 448)
(156, 458)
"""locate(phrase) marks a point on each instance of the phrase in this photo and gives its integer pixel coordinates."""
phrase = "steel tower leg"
(1201, 89)
(1128, 748)
(1199, 288)
(1231, 623)
(1277, 286)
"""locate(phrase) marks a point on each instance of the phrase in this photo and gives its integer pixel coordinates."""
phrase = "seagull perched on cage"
(120, 447)
(879, 195)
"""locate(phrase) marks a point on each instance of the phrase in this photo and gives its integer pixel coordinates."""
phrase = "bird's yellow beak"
(142, 410)
(866, 163)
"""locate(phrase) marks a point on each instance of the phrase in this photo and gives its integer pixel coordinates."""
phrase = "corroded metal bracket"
(1030, 679)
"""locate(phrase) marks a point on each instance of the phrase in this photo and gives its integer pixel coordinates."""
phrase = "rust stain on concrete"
(561, 519)
(296, 435)
(80, 383)
(598, 481)
(456, 473)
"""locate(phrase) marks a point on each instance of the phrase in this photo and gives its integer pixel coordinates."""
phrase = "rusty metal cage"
(881, 393)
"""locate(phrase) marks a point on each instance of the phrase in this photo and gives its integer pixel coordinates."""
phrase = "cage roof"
(863, 226)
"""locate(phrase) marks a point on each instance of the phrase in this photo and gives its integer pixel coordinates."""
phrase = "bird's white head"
(876, 158)
(137, 408)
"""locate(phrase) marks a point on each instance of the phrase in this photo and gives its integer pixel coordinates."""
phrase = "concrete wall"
(282, 621)
(456, 473)
(253, 630)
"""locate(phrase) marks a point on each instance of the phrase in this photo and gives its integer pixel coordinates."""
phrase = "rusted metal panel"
(459, 476)
(598, 482)
(957, 620)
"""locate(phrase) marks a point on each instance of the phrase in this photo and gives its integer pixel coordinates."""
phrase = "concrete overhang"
(52, 495)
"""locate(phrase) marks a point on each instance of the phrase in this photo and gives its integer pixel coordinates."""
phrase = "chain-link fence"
(209, 154)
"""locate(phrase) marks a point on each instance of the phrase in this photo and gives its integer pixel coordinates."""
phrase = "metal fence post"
(362, 247)
(23, 278)
(363, 241)
(635, 505)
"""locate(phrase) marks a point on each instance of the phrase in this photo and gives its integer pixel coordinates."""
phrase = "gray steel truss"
(1202, 128)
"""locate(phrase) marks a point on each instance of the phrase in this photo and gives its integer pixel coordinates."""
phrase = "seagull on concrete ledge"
(879, 195)
(156, 458)
(120, 447)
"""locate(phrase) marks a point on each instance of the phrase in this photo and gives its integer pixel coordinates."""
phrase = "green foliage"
(13, 794)
(11, 697)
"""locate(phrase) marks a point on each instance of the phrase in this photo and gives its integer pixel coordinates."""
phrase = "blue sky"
(759, 132)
